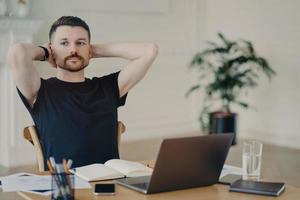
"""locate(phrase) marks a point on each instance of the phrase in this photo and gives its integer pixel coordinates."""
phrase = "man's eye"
(81, 43)
(64, 43)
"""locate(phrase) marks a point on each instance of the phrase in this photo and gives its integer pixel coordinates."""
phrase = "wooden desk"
(279, 164)
(214, 192)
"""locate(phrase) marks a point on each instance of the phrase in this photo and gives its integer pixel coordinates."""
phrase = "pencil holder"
(62, 185)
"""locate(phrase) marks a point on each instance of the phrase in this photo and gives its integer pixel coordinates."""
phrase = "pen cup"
(62, 185)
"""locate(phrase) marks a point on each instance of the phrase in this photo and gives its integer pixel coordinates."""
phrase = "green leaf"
(250, 47)
(225, 40)
(197, 60)
(195, 87)
(265, 67)
(243, 104)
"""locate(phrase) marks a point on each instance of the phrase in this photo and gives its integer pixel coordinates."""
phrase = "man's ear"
(51, 50)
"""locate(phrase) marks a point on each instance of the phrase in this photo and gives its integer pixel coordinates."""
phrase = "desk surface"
(214, 192)
(280, 164)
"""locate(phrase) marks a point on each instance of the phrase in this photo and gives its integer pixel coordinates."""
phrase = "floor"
(278, 163)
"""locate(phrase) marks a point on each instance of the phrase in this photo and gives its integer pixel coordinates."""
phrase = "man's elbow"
(152, 50)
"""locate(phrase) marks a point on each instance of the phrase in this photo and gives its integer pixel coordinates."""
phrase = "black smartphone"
(105, 189)
(229, 179)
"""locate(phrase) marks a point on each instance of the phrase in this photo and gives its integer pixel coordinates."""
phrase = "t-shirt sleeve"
(35, 108)
(113, 81)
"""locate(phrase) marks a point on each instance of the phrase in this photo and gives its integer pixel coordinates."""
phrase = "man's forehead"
(70, 32)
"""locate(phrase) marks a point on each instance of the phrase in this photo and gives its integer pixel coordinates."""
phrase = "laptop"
(184, 163)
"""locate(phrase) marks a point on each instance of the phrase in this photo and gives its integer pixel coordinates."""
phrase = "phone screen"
(104, 189)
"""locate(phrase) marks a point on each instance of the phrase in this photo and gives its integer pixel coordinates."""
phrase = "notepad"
(112, 169)
(255, 187)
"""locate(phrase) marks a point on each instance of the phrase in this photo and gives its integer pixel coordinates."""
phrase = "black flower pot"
(222, 123)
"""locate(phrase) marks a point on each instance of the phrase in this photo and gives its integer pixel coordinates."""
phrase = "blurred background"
(157, 106)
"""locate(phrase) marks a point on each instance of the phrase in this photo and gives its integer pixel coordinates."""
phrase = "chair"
(31, 135)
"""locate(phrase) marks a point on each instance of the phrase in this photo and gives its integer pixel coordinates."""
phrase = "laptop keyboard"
(141, 185)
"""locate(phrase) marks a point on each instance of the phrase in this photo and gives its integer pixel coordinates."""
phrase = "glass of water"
(252, 153)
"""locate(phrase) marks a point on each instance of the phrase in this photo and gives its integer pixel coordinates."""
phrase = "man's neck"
(68, 76)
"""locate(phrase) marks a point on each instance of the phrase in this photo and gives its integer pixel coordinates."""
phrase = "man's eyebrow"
(82, 39)
(62, 39)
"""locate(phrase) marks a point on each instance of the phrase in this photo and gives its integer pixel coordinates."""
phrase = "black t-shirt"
(78, 121)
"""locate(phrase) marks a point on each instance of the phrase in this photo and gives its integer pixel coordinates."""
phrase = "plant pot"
(222, 123)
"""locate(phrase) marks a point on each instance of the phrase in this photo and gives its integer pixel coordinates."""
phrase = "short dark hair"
(69, 21)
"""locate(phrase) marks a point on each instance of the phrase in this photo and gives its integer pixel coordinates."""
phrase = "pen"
(50, 167)
(58, 176)
(65, 165)
(52, 161)
(67, 173)
(61, 176)
(69, 163)
(52, 171)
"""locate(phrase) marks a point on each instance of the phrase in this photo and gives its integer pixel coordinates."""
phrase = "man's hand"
(50, 59)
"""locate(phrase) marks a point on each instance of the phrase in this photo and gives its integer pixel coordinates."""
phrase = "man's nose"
(73, 49)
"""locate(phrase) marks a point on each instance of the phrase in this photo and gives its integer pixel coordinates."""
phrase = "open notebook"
(112, 169)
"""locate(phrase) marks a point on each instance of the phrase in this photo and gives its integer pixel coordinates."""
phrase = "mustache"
(74, 56)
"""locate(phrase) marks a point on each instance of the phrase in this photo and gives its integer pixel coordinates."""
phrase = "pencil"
(66, 169)
(56, 179)
(67, 176)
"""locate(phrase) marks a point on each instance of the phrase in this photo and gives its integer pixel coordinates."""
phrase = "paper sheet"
(229, 169)
(15, 175)
(34, 183)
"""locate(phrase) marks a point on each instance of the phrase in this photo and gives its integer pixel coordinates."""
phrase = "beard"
(71, 67)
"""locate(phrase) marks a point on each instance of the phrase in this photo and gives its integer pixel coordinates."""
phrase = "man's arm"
(140, 56)
(20, 58)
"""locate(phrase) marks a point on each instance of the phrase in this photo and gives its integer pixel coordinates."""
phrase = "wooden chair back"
(30, 134)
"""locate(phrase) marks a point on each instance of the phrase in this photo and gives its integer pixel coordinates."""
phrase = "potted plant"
(227, 70)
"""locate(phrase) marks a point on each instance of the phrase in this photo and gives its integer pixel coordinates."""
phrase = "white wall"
(273, 26)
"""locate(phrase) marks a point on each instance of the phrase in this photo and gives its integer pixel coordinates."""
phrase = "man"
(76, 117)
